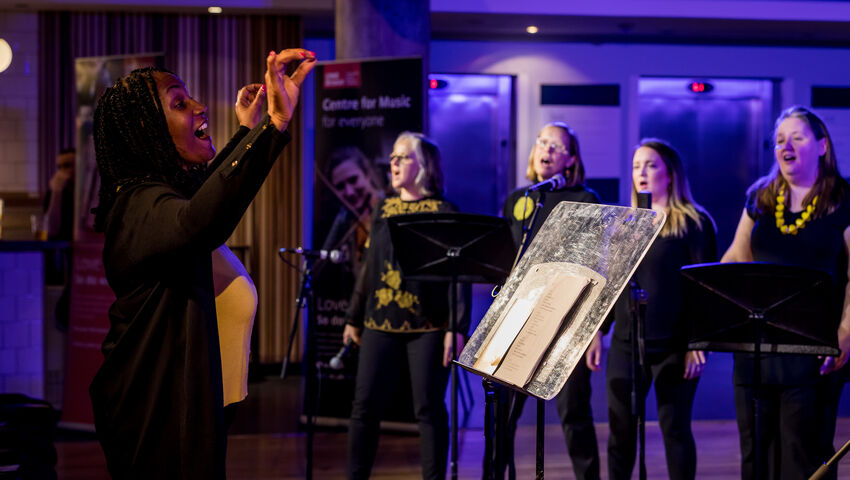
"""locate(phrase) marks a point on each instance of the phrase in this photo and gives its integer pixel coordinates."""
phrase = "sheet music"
(533, 340)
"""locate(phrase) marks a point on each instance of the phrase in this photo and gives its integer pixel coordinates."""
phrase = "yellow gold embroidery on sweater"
(395, 206)
(386, 326)
(391, 277)
(390, 292)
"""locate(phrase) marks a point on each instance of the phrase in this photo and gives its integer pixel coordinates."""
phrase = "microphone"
(557, 181)
(334, 256)
(644, 199)
(336, 361)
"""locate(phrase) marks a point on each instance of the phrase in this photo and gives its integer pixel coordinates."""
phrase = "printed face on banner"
(352, 183)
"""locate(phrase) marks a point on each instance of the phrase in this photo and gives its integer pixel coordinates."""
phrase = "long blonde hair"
(680, 203)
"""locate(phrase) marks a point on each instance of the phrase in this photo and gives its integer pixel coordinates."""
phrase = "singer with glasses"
(158, 396)
(555, 164)
(797, 214)
(687, 237)
(393, 320)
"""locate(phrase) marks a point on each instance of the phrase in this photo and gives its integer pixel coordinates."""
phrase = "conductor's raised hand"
(249, 104)
(283, 89)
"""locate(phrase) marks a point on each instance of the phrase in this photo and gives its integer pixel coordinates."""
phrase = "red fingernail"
(302, 54)
(271, 52)
(313, 54)
(263, 88)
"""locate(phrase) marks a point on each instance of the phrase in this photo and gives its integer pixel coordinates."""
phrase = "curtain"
(214, 55)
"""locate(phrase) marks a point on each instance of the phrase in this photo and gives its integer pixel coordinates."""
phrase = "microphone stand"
(637, 307)
(305, 292)
(495, 421)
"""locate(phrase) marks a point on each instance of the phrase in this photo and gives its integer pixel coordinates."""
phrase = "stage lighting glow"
(214, 10)
(531, 29)
(5, 55)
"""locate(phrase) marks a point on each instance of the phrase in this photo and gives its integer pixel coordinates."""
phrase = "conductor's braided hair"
(132, 142)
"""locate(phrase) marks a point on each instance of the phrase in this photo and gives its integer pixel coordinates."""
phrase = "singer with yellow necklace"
(798, 214)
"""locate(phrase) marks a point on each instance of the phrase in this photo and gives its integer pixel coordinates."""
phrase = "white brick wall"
(19, 104)
(22, 323)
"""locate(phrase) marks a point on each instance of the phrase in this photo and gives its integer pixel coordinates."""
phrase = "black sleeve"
(609, 320)
(151, 220)
(703, 242)
(228, 149)
(357, 302)
(507, 208)
(751, 206)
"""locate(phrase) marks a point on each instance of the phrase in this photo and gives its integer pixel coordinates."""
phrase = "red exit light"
(700, 87)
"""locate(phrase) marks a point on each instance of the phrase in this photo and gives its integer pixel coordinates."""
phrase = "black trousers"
(573, 403)
(381, 353)
(797, 426)
(675, 399)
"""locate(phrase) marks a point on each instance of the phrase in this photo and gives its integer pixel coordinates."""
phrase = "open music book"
(544, 307)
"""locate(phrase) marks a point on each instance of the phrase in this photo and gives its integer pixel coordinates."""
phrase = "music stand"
(605, 239)
(452, 247)
(759, 307)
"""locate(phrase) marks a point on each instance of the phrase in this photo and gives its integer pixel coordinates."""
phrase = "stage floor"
(266, 444)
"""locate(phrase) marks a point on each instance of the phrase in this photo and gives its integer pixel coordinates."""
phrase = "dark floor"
(266, 443)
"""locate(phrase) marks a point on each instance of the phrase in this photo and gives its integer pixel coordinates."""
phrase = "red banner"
(89, 322)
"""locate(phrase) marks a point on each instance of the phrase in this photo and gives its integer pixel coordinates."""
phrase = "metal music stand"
(760, 307)
(607, 240)
(452, 247)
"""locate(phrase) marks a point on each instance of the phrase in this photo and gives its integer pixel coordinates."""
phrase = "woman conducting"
(556, 151)
(798, 214)
(687, 237)
(157, 398)
(392, 318)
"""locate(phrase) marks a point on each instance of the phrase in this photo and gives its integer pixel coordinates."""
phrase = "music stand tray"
(442, 246)
(728, 303)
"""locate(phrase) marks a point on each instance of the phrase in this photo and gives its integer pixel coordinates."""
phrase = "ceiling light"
(214, 10)
(531, 29)
(5, 55)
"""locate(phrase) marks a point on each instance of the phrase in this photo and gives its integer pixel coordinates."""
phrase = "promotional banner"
(361, 107)
(90, 294)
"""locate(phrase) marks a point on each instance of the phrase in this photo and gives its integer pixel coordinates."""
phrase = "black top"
(519, 211)
(819, 245)
(157, 398)
(382, 298)
(658, 274)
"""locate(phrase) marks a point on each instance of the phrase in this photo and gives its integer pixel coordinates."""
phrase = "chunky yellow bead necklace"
(780, 215)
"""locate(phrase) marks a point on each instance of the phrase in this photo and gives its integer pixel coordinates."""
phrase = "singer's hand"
(593, 356)
(694, 363)
(447, 347)
(350, 333)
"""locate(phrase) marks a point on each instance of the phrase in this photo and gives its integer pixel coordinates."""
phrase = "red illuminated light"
(700, 87)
